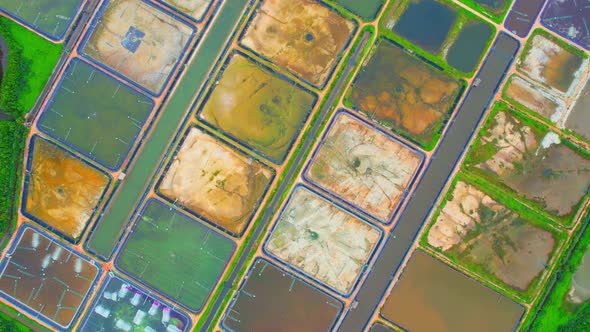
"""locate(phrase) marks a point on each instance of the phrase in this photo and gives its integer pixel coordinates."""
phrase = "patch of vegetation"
(30, 61)
(553, 312)
(496, 16)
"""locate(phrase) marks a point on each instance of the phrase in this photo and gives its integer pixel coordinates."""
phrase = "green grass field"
(31, 60)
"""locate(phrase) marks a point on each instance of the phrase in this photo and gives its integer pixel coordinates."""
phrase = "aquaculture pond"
(138, 40)
(532, 162)
(214, 181)
(426, 23)
(534, 98)
(61, 190)
(552, 63)
(431, 296)
(271, 299)
(263, 110)
(46, 278)
(364, 166)
(304, 36)
(579, 291)
(50, 17)
(522, 16)
(322, 240)
(367, 10)
(569, 19)
(178, 256)
(475, 230)
(378, 327)
(404, 93)
(467, 49)
(578, 116)
(119, 305)
(95, 114)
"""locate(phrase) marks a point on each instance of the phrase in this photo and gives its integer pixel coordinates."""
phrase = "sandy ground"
(302, 35)
(364, 166)
(476, 229)
(325, 242)
(215, 181)
(63, 191)
(159, 50)
(535, 98)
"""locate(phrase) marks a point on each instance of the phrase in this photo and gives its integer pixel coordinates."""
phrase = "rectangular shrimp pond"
(175, 255)
(364, 166)
(139, 41)
(404, 93)
(95, 115)
(533, 162)
(304, 36)
(476, 230)
(119, 305)
(578, 117)
(61, 190)
(534, 98)
(50, 17)
(322, 240)
(271, 299)
(431, 296)
(552, 62)
(216, 182)
(46, 278)
(258, 107)
(367, 10)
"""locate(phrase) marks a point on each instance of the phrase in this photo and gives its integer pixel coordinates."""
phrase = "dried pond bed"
(258, 107)
(304, 36)
(139, 41)
(404, 93)
(482, 234)
(534, 98)
(322, 240)
(214, 181)
(62, 191)
(364, 166)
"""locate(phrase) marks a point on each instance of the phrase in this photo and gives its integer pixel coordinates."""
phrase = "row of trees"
(15, 73)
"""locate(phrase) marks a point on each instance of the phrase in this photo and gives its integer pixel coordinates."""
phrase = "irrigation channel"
(104, 237)
(291, 173)
(429, 188)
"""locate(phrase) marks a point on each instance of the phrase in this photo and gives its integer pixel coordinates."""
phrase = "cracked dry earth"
(364, 166)
(475, 229)
(325, 242)
(215, 181)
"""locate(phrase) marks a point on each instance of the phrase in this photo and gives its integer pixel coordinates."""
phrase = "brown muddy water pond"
(579, 117)
(404, 93)
(431, 296)
(44, 276)
(537, 165)
(274, 300)
(215, 181)
(551, 63)
(474, 229)
(63, 191)
(259, 108)
(304, 36)
(364, 166)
